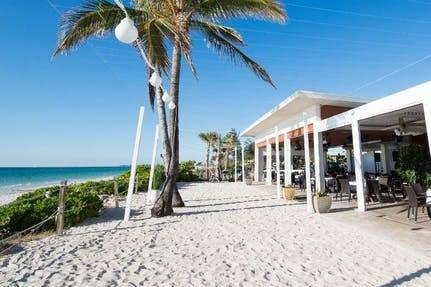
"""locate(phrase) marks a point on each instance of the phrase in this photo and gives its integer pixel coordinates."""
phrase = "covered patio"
(296, 139)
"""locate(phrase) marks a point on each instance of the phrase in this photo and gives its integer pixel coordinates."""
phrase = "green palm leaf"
(225, 47)
(93, 18)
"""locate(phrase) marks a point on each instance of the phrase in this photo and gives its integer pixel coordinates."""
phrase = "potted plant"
(322, 202)
(158, 180)
(289, 192)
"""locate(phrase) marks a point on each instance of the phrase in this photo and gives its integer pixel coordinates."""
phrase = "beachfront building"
(296, 136)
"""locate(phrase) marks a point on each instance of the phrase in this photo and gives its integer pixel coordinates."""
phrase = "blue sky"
(81, 109)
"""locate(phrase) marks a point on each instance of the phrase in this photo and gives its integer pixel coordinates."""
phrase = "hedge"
(82, 200)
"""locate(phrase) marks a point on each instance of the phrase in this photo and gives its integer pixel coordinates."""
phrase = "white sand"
(228, 235)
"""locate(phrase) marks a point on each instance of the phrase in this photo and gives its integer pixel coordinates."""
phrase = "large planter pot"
(152, 196)
(248, 181)
(322, 204)
(289, 193)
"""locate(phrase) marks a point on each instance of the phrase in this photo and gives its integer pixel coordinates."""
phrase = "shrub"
(413, 158)
(159, 177)
(33, 207)
(187, 172)
(408, 176)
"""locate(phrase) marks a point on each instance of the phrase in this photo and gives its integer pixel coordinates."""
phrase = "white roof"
(299, 101)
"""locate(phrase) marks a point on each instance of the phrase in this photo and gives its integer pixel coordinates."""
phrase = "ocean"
(16, 180)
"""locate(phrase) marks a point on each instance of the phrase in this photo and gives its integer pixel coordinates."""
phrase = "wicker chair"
(414, 202)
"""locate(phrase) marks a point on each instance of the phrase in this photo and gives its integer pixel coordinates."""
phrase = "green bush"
(33, 207)
(187, 172)
(159, 177)
(408, 176)
(413, 158)
(82, 200)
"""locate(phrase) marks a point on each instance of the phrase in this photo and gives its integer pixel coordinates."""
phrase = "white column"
(427, 111)
(243, 163)
(260, 165)
(357, 153)
(277, 163)
(268, 163)
(384, 159)
(236, 164)
(134, 162)
(153, 164)
(307, 165)
(287, 160)
(319, 178)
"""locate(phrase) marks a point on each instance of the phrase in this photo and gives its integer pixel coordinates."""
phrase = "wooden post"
(60, 212)
(116, 193)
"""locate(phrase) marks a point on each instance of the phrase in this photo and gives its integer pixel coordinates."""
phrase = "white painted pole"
(319, 179)
(134, 162)
(287, 160)
(236, 164)
(256, 162)
(359, 172)
(427, 112)
(268, 163)
(277, 162)
(153, 164)
(307, 165)
(243, 163)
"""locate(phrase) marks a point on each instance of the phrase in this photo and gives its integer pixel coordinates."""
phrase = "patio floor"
(386, 219)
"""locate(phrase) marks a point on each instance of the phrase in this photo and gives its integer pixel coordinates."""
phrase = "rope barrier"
(30, 229)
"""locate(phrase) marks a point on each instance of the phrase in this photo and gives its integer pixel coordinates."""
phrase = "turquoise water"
(16, 179)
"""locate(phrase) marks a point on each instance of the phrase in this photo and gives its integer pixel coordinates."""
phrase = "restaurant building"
(299, 132)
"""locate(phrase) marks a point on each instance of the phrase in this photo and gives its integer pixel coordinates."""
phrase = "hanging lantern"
(155, 80)
(172, 105)
(126, 31)
(165, 97)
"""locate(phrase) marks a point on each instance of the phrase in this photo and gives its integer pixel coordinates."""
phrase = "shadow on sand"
(407, 278)
(236, 209)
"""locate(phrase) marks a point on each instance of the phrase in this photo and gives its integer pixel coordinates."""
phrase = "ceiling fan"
(409, 128)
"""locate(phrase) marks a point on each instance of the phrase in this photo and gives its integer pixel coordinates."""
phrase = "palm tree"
(161, 21)
(209, 138)
(230, 141)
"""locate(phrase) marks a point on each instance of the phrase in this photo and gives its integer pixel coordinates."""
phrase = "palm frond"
(93, 18)
(153, 40)
(271, 10)
(226, 32)
(225, 47)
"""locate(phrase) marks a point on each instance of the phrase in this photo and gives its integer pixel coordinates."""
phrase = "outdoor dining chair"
(414, 202)
(344, 188)
(372, 191)
(384, 187)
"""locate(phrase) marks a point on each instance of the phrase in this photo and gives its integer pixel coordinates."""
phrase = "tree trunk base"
(161, 211)
(177, 200)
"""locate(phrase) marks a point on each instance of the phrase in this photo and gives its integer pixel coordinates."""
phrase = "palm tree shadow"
(235, 209)
(407, 278)
(226, 203)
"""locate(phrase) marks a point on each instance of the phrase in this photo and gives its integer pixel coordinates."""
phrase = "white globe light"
(172, 105)
(165, 97)
(126, 31)
(155, 80)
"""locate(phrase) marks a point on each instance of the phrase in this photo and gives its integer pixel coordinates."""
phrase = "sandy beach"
(228, 235)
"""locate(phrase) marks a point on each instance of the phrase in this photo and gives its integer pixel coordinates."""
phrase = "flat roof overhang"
(299, 101)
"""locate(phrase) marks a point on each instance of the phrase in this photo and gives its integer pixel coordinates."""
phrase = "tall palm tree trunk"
(163, 205)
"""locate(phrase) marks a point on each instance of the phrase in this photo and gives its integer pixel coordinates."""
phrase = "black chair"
(384, 187)
(414, 202)
(344, 188)
(372, 191)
